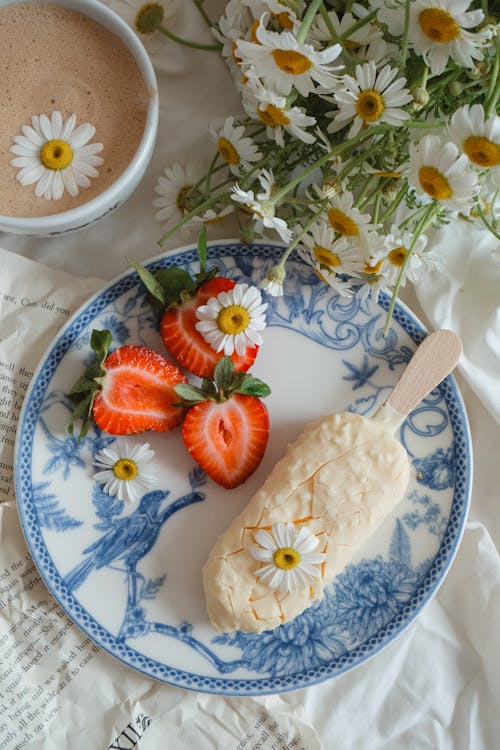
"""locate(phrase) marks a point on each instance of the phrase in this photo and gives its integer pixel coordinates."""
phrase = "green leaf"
(88, 385)
(174, 281)
(254, 387)
(224, 373)
(190, 394)
(149, 281)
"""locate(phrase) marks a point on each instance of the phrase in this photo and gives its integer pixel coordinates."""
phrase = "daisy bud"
(455, 89)
(421, 98)
(390, 192)
(273, 283)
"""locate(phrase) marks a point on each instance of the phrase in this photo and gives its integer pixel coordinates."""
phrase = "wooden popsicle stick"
(434, 359)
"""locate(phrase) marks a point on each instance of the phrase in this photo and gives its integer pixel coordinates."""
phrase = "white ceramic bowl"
(98, 207)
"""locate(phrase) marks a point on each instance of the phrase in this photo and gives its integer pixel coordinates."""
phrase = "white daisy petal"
(55, 156)
(127, 475)
(291, 568)
(232, 320)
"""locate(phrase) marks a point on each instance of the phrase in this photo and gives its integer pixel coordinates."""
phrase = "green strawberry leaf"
(153, 286)
(254, 387)
(88, 385)
(190, 394)
(224, 373)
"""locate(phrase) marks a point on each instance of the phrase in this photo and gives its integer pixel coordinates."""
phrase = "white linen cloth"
(438, 684)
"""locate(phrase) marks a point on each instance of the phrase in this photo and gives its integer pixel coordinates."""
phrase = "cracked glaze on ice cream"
(340, 478)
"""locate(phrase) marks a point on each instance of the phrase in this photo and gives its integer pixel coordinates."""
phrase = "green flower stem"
(485, 221)
(333, 33)
(201, 207)
(394, 204)
(423, 124)
(494, 87)
(358, 25)
(186, 43)
(431, 211)
(299, 237)
(376, 207)
(307, 20)
(442, 82)
(360, 200)
(404, 40)
(199, 5)
(358, 138)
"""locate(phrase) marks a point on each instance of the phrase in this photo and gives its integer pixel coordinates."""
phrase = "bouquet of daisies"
(366, 125)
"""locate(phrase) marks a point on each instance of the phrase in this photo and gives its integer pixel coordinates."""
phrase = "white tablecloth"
(438, 684)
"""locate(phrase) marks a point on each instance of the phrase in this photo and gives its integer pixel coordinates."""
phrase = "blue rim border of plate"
(177, 677)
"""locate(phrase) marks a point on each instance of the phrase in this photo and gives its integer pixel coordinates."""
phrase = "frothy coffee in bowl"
(54, 59)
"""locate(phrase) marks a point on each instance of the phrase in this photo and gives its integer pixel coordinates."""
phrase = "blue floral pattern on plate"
(130, 576)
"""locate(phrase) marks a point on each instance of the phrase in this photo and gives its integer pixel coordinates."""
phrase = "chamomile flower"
(330, 254)
(347, 220)
(477, 137)
(276, 113)
(282, 63)
(438, 172)
(273, 281)
(291, 563)
(145, 17)
(370, 98)
(438, 30)
(262, 206)
(177, 192)
(236, 150)
(393, 252)
(56, 156)
(124, 471)
(319, 33)
(232, 321)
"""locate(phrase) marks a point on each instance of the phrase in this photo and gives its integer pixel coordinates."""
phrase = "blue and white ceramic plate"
(321, 353)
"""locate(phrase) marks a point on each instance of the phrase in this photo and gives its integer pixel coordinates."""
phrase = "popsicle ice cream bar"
(322, 501)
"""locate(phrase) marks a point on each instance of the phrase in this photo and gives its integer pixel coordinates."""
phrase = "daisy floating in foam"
(56, 156)
(290, 561)
(124, 470)
(232, 321)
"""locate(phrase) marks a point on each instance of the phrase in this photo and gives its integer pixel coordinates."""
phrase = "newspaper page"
(58, 689)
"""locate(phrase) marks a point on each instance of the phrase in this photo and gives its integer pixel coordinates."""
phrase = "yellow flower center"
(372, 269)
(273, 116)
(482, 151)
(325, 257)
(438, 25)
(56, 154)
(283, 19)
(397, 256)
(370, 105)
(434, 183)
(253, 31)
(233, 319)
(291, 61)
(286, 558)
(182, 195)
(148, 18)
(342, 223)
(228, 151)
(351, 46)
(125, 469)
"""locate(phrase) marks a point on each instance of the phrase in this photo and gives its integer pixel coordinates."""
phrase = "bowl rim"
(111, 196)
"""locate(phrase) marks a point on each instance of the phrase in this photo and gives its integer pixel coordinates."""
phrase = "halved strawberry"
(227, 427)
(177, 295)
(128, 391)
(186, 344)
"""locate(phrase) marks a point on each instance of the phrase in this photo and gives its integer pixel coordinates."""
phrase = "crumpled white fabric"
(465, 297)
(437, 685)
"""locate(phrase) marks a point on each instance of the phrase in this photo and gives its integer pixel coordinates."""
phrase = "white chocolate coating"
(341, 477)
